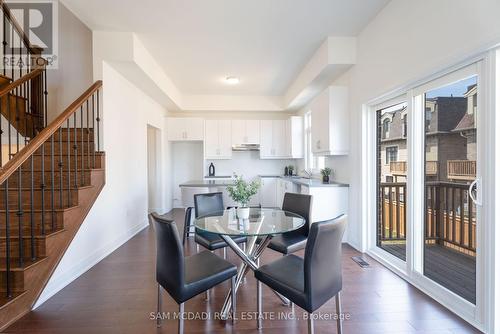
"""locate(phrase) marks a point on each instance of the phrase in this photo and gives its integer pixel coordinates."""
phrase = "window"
(405, 126)
(313, 163)
(386, 129)
(391, 154)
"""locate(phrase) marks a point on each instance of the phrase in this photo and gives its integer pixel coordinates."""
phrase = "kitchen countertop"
(218, 177)
(300, 181)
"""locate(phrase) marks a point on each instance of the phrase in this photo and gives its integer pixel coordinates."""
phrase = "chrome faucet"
(308, 173)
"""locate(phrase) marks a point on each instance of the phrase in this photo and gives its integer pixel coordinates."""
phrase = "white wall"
(121, 209)
(406, 41)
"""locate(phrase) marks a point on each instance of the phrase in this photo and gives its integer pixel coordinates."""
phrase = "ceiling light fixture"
(232, 80)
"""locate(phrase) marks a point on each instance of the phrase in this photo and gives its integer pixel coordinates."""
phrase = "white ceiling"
(198, 42)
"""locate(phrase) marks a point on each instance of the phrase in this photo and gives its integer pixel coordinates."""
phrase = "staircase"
(50, 176)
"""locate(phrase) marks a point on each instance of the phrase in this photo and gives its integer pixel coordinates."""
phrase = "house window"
(391, 154)
(312, 163)
(428, 119)
(405, 126)
(385, 130)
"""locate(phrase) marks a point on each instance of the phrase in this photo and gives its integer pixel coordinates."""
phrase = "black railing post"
(52, 182)
(68, 148)
(7, 240)
(439, 216)
(82, 147)
(75, 150)
(32, 210)
(93, 130)
(98, 119)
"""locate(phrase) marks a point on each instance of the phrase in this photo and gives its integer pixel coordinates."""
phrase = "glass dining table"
(261, 226)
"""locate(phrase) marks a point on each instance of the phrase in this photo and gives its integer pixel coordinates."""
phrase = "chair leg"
(233, 297)
(310, 324)
(158, 308)
(259, 304)
(181, 318)
(338, 307)
(207, 295)
(187, 224)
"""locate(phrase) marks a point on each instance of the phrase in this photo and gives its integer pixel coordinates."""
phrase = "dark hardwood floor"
(118, 295)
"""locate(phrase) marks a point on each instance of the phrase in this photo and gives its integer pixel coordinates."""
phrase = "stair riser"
(83, 179)
(39, 244)
(71, 134)
(37, 199)
(37, 162)
(62, 149)
(26, 223)
(16, 281)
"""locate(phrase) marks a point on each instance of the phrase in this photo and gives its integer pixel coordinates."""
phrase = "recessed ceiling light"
(232, 80)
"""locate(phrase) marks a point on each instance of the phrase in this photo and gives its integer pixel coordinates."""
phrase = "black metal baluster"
(7, 240)
(4, 42)
(45, 93)
(75, 151)
(13, 52)
(1, 133)
(20, 214)
(81, 144)
(68, 135)
(8, 125)
(98, 119)
(16, 94)
(52, 182)
(42, 188)
(88, 137)
(93, 130)
(60, 165)
(32, 210)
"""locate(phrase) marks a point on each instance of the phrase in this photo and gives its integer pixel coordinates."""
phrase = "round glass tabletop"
(261, 222)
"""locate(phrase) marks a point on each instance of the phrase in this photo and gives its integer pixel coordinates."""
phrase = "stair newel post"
(68, 144)
(93, 129)
(52, 183)
(81, 145)
(60, 168)
(7, 239)
(75, 150)
(32, 209)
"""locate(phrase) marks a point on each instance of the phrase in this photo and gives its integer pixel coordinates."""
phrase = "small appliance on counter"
(211, 169)
(286, 171)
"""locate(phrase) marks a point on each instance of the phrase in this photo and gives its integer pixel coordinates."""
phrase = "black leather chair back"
(169, 256)
(208, 204)
(323, 260)
(300, 204)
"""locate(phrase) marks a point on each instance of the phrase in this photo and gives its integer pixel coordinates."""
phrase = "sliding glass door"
(450, 169)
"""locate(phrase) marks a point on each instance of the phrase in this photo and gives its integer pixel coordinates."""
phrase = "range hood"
(246, 147)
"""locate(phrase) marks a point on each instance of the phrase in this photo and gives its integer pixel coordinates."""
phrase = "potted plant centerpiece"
(241, 191)
(326, 172)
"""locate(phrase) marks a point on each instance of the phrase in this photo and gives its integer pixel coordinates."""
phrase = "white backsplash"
(249, 164)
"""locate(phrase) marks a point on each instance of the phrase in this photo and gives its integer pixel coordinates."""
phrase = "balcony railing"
(400, 167)
(461, 170)
(450, 215)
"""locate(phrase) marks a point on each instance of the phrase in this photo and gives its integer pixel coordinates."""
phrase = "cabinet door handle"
(318, 144)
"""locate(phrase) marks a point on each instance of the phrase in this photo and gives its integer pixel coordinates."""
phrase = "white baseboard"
(86, 263)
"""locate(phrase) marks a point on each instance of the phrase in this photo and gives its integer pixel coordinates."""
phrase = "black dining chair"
(294, 241)
(312, 281)
(185, 277)
(206, 205)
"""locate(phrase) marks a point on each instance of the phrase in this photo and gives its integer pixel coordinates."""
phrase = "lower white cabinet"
(328, 202)
(268, 191)
(284, 186)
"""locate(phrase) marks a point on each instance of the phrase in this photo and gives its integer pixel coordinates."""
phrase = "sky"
(456, 89)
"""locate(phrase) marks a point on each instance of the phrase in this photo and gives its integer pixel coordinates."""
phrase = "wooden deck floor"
(451, 269)
(119, 293)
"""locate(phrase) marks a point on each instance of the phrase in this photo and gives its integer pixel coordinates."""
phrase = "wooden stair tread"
(58, 210)
(14, 263)
(47, 188)
(47, 234)
(5, 301)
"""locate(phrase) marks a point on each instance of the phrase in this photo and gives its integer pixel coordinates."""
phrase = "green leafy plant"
(241, 191)
(291, 167)
(327, 171)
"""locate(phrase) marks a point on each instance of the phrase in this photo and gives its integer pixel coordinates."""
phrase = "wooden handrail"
(20, 81)
(23, 155)
(32, 48)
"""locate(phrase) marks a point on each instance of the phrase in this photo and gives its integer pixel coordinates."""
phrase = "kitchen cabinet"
(328, 202)
(330, 122)
(185, 129)
(218, 139)
(284, 186)
(273, 141)
(268, 191)
(245, 132)
(295, 137)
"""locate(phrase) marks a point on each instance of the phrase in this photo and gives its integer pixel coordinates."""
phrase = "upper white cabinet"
(218, 139)
(245, 132)
(330, 122)
(273, 144)
(185, 129)
(295, 137)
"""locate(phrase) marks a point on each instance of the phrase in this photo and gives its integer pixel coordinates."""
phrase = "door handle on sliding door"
(476, 195)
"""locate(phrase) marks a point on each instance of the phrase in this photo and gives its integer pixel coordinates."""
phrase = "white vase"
(243, 213)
